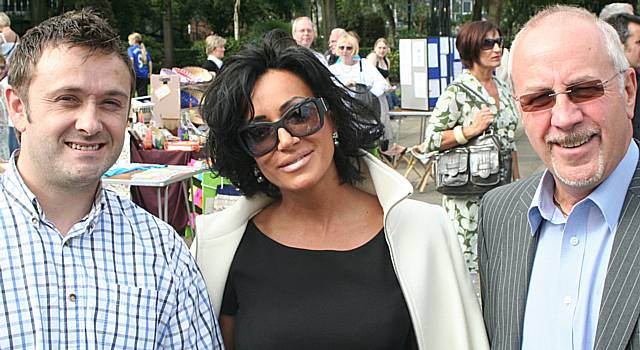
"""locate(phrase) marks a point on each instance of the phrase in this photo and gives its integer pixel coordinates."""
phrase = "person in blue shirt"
(559, 250)
(142, 64)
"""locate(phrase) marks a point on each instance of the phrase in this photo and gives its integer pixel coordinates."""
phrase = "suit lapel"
(620, 304)
(529, 243)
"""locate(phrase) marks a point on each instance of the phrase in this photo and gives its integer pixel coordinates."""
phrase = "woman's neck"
(484, 75)
(348, 60)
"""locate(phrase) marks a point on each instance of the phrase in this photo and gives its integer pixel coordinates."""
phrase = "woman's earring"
(335, 138)
(258, 174)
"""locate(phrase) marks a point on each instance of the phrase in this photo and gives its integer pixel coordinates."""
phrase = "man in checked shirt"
(81, 268)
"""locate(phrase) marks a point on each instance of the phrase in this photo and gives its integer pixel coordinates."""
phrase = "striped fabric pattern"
(120, 279)
(506, 250)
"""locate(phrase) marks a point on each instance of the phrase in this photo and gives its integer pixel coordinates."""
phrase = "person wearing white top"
(304, 33)
(351, 72)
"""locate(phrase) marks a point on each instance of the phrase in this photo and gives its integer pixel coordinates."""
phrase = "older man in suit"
(560, 251)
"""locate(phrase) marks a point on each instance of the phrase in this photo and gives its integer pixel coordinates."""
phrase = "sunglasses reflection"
(303, 119)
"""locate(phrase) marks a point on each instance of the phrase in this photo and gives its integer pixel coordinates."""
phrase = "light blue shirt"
(571, 261)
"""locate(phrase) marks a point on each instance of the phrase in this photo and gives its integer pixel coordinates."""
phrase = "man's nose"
(565, 114)
(88, 120)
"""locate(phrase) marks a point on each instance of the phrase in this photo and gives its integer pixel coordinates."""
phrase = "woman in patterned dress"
(459, 116)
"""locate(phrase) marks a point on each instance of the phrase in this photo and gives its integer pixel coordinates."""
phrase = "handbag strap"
(474, 93)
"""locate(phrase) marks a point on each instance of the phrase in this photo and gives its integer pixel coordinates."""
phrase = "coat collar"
(385, 183)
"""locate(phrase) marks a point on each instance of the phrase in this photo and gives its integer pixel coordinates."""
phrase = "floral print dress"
(458, 107)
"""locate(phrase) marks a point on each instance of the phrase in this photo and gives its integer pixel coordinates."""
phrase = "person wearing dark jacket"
(215, 53)
(628, 28)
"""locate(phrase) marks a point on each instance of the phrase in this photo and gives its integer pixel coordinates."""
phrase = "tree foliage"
(371, 19)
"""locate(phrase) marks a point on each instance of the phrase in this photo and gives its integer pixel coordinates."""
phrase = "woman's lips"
(296, 163)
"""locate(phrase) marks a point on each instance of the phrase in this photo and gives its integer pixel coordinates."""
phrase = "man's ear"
(631, 89)
(17, 109)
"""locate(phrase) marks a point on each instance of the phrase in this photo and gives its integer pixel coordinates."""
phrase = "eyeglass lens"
(301, 120)
(488, 44)
(345, 47)
(577, 93)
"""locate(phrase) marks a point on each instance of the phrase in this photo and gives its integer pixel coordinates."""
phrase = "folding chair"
(421, 164)
(395, 155)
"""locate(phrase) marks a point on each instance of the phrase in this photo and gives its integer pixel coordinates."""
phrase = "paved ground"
(409, 129)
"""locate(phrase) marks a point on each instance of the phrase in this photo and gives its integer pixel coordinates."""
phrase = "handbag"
(363, 93)
(474, 168)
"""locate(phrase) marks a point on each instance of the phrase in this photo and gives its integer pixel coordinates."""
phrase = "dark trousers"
(141, 86)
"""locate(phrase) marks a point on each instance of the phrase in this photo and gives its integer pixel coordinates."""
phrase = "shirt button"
(72, 298)
(574, 241)
(34, 221)
(567, 300)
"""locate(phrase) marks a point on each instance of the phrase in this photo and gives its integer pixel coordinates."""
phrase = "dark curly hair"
(228, 107)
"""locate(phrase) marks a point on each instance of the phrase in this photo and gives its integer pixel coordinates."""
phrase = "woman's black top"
(291, 298)
(383, 72)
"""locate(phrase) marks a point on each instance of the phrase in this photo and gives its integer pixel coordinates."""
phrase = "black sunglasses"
(302, 119)
(578, 93)
(345, 47)
(488, 44)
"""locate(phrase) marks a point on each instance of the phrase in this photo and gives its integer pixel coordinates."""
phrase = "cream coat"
(424, 251)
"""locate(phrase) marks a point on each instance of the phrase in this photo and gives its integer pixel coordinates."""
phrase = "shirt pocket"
(123, 317)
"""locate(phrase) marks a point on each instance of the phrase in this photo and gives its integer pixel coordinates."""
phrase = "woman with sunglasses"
(350, 72)
(325, 250)
(475, 102)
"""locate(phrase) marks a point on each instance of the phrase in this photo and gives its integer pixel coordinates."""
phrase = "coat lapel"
(620, 304)
(529, 243)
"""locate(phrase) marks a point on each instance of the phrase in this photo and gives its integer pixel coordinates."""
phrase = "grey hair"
(613, 46)
(214, 41)
(298, 20)
(4, 20)
(614, 9)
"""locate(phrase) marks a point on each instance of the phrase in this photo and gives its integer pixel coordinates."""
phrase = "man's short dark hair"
(83, 28)
(228, 106)
(620, 22)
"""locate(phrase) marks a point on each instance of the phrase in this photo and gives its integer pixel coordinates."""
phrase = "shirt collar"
(215, 60)
(608, 197)
(14, 186)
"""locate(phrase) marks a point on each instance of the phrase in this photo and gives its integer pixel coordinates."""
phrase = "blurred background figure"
(628, 28)
(141, 63)
(378, 58)
(330, 54)
(215, 53)
(304, 33)
(352, 72)
(8, 38)
(615, 8)
(475, 102)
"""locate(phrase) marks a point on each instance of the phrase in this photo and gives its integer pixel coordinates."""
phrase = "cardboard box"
(165, 95)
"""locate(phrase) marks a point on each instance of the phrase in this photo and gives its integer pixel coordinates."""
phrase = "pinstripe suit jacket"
(506, 249)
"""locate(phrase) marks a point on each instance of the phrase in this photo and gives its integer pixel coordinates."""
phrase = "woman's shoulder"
(414, 211)
(372, 57)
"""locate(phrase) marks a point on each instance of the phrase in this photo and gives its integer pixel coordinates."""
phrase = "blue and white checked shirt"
(120, 279)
